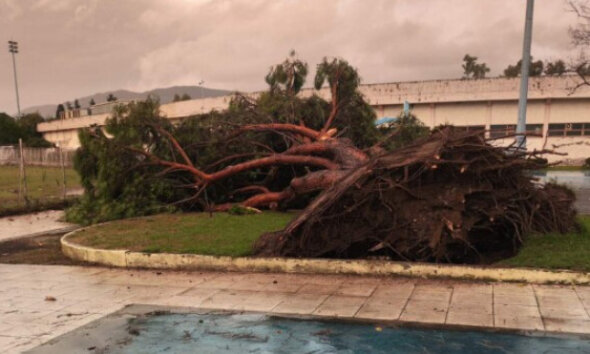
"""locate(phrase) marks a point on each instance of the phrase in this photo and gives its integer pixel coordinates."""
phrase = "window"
(534, 129)
(574, 129)
(501, 130)
(569, 129)
(471, 128)
(556, 129)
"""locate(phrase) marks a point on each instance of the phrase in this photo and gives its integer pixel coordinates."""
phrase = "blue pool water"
(573, 179)
(241, 333)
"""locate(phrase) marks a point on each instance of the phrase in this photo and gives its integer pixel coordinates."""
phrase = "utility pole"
(524, 77)
(13, 49)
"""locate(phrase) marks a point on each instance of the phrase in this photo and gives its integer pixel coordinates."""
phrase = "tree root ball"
(452, 197)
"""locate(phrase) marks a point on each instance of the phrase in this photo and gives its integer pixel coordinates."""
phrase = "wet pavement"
(12, 227)
(38, 303)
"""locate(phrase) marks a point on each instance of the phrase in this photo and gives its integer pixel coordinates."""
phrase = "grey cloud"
(71, 48)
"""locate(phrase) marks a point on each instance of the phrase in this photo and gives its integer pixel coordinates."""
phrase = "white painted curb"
(128, 259)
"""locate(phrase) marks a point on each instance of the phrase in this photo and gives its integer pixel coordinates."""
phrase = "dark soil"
(44, 249)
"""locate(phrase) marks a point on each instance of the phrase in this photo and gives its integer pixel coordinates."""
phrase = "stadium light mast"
(13, 49)
(524, 77)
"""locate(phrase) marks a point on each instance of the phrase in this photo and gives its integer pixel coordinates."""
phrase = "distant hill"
(166, 95)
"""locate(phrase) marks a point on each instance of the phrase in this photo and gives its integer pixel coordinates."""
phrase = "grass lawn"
(220, 235)
(555, 251)
(43, 184)
(232, 235)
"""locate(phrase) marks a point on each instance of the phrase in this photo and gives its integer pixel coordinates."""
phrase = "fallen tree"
(452, 197)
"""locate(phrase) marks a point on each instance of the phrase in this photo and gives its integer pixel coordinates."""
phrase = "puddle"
(256, 333)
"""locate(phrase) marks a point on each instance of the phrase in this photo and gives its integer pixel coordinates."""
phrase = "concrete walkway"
(38, 303)
(18, 226)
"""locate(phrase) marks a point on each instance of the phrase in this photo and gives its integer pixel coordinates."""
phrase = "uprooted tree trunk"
(332, 158)
(452, 197)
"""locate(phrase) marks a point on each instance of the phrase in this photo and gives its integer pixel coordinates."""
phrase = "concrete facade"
(556, 114)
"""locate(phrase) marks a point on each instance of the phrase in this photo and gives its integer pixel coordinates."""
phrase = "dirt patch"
(44, 249)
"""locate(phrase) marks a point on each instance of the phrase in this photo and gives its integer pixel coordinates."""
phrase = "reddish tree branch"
(176, 145)
(297, 129)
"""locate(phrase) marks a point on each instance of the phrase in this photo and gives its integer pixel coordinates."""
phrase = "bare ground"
(44, 249)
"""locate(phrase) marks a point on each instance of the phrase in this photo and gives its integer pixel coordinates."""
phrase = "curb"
(129, 259)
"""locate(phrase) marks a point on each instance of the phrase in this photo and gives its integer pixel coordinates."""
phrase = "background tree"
(28, 130)
(111, 98)
(535, 69)
(472, 69)
(9, 130)
(24, 128)
(76, 104)
(92, 103)
(178, 98)
(60, 109)
(69, 105)
(556, 68)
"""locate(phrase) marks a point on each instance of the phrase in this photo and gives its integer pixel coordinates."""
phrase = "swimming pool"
(255, 333)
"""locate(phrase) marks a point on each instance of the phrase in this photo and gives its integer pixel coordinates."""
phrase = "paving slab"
(340, 306)
(382, 309)
(300, 304)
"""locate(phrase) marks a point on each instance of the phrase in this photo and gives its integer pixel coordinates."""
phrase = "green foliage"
(111, 98)
(25, 128)
(92, 103)
(76, 104)
(355, 119)
(9, 130)
(119, 183)
(116, 183)
(342, 78)
(535, 69)
(60, 109)
(407, 129)
(556, 68)
(472, 69)
(28, 127)
(288, 76)
(587, 163)
(178, 98)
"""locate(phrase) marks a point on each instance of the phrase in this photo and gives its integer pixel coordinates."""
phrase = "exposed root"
(452, 197)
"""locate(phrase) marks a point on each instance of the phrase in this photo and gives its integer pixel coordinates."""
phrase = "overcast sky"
(73, 48)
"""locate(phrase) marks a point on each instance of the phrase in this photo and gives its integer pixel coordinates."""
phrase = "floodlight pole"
(524, 77)
(13, 49)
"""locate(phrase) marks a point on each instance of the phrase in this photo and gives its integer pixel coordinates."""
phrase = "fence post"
(22, 186)
(63, 170)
